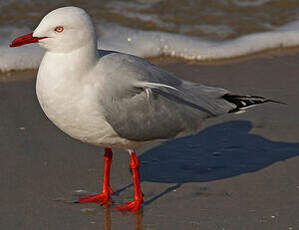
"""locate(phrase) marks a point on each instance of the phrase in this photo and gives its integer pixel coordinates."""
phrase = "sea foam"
(154, 43)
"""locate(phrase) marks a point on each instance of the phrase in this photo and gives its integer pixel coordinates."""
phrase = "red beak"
(25, 39)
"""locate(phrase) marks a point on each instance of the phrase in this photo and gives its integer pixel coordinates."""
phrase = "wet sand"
(241, 172)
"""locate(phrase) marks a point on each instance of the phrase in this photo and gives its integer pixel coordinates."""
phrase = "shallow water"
(190, 29)
(213, 19)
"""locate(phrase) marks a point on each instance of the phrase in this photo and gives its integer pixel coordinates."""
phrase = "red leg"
(134, 205)
(104, 196)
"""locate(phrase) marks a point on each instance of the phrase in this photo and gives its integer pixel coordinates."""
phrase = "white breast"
(72, 104)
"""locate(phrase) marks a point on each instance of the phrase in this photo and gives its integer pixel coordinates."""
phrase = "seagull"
(116, 100)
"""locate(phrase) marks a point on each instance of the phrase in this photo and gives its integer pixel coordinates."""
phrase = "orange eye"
(59, 29)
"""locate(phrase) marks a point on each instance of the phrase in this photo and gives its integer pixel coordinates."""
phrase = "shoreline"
(164, 60)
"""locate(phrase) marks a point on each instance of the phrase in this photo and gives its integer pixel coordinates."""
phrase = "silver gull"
(116, 100)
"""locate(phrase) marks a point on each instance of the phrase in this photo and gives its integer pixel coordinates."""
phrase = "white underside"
(71, 103)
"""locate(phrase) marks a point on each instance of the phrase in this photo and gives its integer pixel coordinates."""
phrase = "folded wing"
(148, 103)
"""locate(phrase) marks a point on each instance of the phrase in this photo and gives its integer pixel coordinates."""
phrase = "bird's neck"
(75, 63)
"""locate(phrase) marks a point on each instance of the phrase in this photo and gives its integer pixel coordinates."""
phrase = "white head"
(62, 30)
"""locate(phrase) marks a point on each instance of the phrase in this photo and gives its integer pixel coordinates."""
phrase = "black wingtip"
(243, 102)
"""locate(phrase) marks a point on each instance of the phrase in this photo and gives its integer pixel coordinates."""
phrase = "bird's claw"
(100, 198)
(132, 206)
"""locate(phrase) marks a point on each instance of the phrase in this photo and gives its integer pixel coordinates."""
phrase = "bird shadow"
(221, 151)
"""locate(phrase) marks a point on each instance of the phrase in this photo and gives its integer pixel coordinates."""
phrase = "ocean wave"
(250, 3)
(155, 43)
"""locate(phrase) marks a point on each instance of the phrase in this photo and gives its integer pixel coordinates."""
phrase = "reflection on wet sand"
(138, 216)
(107, 217)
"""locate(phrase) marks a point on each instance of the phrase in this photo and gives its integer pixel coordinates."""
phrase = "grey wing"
(148, 103)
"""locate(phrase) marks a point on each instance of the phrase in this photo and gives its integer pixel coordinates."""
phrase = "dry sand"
(241, 172)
